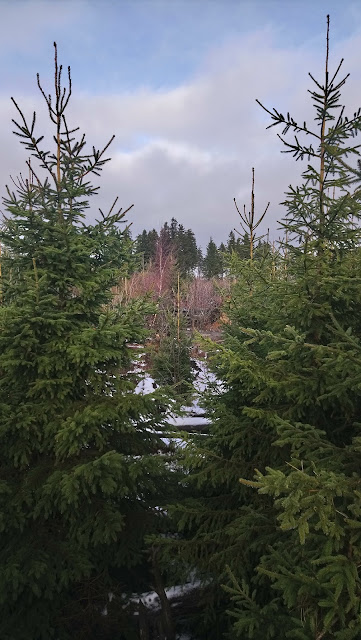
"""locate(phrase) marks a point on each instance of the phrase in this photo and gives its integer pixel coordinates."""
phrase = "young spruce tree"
(290, 408)
(313, 394)
(80, 474)
(216, 519)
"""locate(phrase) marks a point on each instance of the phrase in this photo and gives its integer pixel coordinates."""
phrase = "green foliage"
(175, 239)
(171, 361)
(240, 245)
(80, 474)
(187, 252)
(212, 261)
(146, 246)
(288, 408)
(313, 396)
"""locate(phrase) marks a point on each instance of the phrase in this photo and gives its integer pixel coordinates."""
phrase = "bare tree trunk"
(143, 622)
(167, 618)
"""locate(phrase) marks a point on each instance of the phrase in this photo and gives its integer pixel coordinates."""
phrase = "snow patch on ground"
(146, 385)
(151, 598)
(188, 421)
(192, 415)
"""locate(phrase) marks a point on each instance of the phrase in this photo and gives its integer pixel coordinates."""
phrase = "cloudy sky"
(176, 82)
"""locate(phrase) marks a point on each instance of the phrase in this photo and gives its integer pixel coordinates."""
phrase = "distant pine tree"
(212, 261)
(199, 264)
(184, 247)
(145, 246)
(222, 250)
(231, 243)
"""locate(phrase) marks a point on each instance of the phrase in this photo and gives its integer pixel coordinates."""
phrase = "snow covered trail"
(192, 416)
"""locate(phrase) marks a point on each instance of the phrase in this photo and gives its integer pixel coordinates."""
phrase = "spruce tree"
(171, 362)
(231, 243)
(145, 246)
(184, 246)
(199, 264)
(315, 400)
(189, 254)
(286, 543)
(212, 262)
(222, 250)
(81, 478)
(217, 522)
(243, 246)
(308, 392)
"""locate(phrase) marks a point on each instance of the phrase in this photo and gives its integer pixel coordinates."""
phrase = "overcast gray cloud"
(187, 151)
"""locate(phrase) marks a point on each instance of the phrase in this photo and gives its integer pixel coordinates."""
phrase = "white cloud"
(186, 152)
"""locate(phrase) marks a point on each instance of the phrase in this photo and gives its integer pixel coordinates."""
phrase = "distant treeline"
(174, 239)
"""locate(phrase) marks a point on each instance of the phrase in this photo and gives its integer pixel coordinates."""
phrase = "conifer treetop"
(248, 223)
(70, 155)
(321, 209)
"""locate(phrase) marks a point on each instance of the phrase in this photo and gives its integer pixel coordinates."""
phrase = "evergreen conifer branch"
(289, 407)
(248, 223)
(82, 463)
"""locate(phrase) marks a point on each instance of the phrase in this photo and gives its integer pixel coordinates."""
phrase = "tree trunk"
(167, 618)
